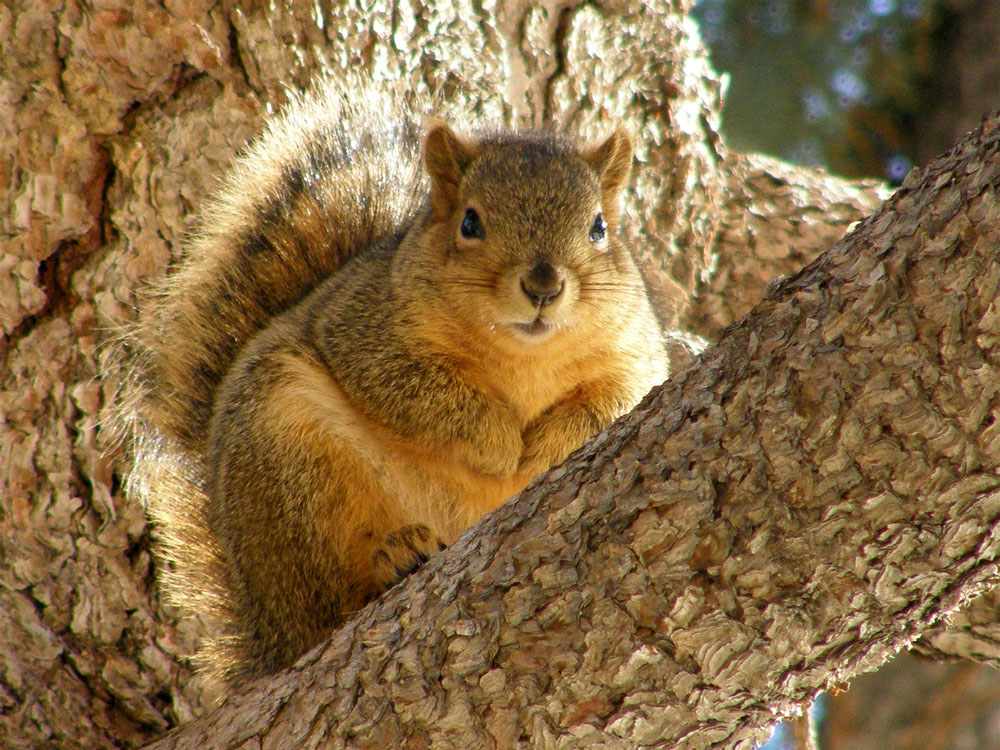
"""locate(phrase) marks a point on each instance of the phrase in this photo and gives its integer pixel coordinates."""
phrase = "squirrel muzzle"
(537, 300)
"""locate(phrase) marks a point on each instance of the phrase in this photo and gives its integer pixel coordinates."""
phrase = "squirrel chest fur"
(378, 337)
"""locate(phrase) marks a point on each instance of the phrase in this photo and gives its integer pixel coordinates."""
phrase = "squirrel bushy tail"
(329, 177)
(338, 170)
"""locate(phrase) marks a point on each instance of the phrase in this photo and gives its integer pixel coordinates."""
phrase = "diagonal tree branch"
(799, 504)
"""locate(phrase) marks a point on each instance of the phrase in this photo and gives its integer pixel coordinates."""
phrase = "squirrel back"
(376, 337)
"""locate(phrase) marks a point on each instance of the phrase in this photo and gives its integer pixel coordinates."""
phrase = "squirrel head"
(526, 227)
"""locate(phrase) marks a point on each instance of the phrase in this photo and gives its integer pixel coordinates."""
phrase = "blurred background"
(861, 87)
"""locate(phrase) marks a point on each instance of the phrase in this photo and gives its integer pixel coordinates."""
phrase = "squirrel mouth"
(535, 327)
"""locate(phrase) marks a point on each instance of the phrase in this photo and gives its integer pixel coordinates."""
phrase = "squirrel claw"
(402, 552)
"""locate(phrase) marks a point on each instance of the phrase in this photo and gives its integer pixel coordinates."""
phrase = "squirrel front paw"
(402, 552)
(550, 440)
(496, 450)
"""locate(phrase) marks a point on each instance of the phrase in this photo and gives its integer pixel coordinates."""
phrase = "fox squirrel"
(380, 333)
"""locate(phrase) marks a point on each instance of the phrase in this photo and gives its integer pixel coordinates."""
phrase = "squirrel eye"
(472, 227)
(598, 228)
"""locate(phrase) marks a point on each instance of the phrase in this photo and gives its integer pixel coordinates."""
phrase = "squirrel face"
(528, 222)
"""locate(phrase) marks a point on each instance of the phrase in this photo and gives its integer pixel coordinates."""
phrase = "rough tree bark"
(119, 117)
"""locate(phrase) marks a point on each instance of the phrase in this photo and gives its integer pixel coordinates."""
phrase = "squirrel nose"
(542, 284)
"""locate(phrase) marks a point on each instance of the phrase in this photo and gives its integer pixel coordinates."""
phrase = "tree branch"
(799, 504)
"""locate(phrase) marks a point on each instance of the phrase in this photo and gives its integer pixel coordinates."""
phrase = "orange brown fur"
(358, 377)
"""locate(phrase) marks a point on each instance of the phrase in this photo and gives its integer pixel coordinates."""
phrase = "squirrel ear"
(446, 157)
(612, 160)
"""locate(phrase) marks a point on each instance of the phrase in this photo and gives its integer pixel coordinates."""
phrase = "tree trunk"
(806, 479)
(934, 706)
(965, 74)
